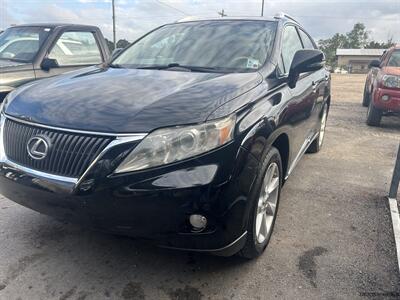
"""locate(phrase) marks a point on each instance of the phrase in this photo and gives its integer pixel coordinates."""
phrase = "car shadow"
(391, 123)
(117, 266)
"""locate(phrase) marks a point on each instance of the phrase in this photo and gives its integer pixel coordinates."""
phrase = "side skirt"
(299, 155)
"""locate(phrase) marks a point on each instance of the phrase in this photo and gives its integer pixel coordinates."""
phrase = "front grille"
(69, 155)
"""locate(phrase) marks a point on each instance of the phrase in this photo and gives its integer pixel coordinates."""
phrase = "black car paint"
(103, 105)
(14, 74)
(157, 202)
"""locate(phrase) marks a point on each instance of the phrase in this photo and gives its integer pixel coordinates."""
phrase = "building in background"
(356, 60)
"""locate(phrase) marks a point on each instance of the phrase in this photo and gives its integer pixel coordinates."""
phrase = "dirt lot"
(333, 238)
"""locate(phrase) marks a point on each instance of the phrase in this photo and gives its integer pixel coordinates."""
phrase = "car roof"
(194, 18)
(276, 18)
(53, 25)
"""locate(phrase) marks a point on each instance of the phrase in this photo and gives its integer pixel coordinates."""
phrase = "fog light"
(198, 222)
(385, 98)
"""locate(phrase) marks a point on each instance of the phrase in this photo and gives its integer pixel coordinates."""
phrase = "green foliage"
(110, 45)
(357, 38)
(377, 45)
(329, 47)
(120, 44)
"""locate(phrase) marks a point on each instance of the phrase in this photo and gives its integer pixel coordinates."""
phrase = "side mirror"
(49, 63)
(374, 64)
(305, 61)
(116, 52)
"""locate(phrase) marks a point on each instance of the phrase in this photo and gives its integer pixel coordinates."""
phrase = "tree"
(358, 37)
(377, 45)
(329, 47)
(122, 43)
(110, 45)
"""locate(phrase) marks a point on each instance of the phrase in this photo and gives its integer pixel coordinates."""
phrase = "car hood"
(127, 100)
(391, 70)
(9, 64)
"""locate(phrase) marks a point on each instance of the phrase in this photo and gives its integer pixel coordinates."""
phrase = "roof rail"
(281, 15)
(187, 19)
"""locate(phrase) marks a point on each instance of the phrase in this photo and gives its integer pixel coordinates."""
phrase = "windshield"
(22, 43)
(394, 60)
(226, 46)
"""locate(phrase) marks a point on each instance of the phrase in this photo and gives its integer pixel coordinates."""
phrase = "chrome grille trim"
(69, 154)
(75, 181)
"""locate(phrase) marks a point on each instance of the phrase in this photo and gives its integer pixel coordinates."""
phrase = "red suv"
(382, 87)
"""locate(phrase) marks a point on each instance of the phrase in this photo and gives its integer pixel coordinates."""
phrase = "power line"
(172, 7)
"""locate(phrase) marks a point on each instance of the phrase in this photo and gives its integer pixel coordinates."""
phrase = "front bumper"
(154, 204)
(392, 105)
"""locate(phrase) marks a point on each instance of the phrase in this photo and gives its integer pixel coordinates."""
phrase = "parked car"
(30, 52)
(382, 87)
(187, 144)
(341, 71)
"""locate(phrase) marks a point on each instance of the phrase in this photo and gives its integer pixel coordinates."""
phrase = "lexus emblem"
(38, 147)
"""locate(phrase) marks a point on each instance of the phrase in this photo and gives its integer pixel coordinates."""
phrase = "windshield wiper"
(180, 67)
(115, 66)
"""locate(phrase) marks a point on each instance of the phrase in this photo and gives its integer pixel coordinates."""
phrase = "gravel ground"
(333, 237)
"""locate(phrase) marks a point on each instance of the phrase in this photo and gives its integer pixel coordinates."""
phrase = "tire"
(316, 145)
(366, 97)
(374, 115)
(263, 206)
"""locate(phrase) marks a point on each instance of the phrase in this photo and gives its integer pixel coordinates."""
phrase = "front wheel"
(264, 205)
(366, 97)
(374, 115)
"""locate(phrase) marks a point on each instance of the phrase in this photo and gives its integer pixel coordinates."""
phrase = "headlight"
(391, 81)
(168, 145)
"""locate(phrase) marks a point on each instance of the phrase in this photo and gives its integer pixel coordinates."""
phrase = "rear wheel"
(264, 205)
(316, 145)
(374, 115)
(366, 97)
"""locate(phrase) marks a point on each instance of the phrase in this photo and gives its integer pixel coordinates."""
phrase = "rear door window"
(307, 42)
(290, 45)
(75, 48)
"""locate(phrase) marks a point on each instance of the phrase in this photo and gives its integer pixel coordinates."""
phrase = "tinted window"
(76, 48)
(308, 44)
(22, 43)
(222, 45)
(394, 60)
(291, 43)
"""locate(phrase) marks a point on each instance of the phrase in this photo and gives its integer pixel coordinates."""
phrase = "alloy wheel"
(267, 203)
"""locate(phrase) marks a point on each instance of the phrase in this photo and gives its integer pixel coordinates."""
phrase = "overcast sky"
(322, 18)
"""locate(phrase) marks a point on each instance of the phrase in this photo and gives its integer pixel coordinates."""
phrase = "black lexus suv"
(185, 138)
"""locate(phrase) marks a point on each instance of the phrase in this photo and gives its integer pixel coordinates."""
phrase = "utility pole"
(222, 13)
(114, 31)
(262, 9)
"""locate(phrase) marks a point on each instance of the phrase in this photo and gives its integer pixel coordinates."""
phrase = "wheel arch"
(282, 144)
